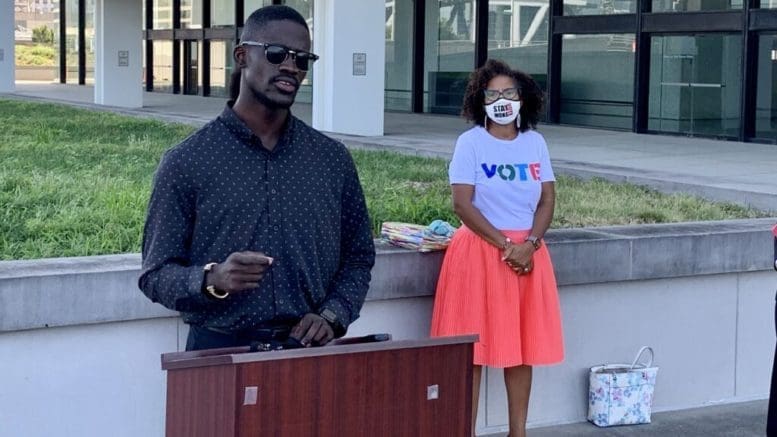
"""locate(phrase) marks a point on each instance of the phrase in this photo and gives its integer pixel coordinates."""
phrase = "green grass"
(76, 182)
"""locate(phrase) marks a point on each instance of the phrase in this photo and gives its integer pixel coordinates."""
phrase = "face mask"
(504, 111)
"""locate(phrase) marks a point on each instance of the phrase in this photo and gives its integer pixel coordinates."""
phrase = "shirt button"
(277, 228)
(273, 191)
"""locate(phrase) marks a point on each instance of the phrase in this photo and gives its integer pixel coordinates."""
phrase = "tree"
(43, 35)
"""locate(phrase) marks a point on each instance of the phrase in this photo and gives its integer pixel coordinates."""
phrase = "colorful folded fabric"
(422, 238)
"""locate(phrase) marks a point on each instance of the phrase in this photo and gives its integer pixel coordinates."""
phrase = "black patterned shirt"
(220, 191)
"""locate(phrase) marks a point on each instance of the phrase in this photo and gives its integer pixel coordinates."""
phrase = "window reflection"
(518, 35)
(599, 7)
(449, 53)
(163, 66)
(399, 55)
(191, 14)
(590, 97)
(766, 98)
(162, 14)
(220, 67)
(695, 5)
(695, 84)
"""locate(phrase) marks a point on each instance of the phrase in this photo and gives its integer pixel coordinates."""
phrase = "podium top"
(238, 355)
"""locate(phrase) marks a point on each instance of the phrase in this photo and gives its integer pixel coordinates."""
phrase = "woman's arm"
(472, 217)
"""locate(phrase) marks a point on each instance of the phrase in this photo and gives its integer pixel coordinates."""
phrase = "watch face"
(329, 315)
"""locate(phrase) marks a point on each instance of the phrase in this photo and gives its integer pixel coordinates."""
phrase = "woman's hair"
(473, 108)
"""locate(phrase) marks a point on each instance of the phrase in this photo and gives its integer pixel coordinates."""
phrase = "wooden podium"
(391, 388)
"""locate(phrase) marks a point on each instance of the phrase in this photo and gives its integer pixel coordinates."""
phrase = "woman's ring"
(526, 270)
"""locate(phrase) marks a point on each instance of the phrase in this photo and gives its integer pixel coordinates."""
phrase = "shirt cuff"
(195, 284)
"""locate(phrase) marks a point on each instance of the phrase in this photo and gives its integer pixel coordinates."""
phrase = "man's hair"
(260, 17)
(473, 108)
(255, 23)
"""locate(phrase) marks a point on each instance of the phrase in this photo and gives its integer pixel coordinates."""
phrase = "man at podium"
(257, 227)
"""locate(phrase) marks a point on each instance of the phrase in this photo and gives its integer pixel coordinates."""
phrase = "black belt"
(256, 334)
(261, 339)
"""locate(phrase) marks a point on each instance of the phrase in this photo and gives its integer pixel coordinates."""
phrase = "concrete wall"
(7, 57)
(350, 75)
(80, 344)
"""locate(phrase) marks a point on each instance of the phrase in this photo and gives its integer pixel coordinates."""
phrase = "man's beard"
(270, 103)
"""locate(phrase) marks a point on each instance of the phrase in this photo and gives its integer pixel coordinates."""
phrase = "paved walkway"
(722, 170)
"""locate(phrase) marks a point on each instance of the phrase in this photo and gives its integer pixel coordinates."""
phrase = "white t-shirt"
(507, 175)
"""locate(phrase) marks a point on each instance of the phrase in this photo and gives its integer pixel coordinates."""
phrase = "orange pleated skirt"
(517, 317)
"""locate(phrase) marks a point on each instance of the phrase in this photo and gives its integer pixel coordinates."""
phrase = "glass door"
(449, 53)
(191, 70)
(695, 84)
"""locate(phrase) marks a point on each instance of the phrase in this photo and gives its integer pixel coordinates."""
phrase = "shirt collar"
(243, 133)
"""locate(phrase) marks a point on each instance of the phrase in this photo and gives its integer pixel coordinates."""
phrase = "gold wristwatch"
(210, 290)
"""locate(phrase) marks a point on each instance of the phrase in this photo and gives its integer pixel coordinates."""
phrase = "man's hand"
(313, 330)
(241, 271)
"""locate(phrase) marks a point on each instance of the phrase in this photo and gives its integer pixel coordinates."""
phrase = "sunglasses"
(276, 54)
(508, 93)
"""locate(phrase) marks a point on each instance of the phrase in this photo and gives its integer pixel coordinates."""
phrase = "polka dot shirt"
(219, 191)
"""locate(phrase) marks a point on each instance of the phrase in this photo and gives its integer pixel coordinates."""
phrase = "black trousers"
(210, 338)
(771, 421)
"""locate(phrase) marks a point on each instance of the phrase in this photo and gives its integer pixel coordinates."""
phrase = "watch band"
(535, 241)
(210, 290)
(334, 321)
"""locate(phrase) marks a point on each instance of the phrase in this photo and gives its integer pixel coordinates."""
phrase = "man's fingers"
(312, 329)
(301, 328)
(325, 335)
(313, 332)
(248, 258)
(246, 277)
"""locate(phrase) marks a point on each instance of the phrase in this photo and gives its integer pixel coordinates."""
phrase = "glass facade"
(222, 13)
(71, 42)
(766, 95)
(692, 79)
(695, 84)
(599, 7)
(191, 14)
(449, 53)
(89, 40)
(589, 97)
(399, 55)
(191, 65)
(695, 5)
(518, 35)
(250, 6)
(162, 14)
(163, 66)
(221, 64)
(305, 8)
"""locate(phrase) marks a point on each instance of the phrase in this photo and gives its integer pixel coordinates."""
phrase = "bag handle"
(639, 355)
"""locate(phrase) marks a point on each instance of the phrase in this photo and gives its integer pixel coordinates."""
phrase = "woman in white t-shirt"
(497, 279)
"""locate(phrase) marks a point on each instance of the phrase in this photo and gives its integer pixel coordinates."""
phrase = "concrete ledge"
(624, 253)
(87, 290)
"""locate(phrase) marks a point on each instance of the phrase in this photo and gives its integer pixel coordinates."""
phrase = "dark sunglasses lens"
(276, 54)
(303, 61)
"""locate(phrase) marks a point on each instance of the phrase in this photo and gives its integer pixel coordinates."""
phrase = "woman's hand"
(519, 257)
